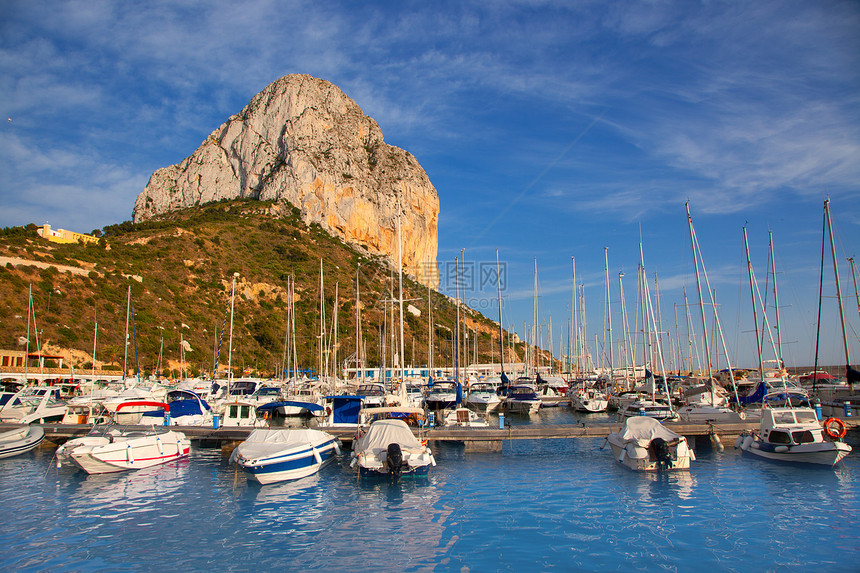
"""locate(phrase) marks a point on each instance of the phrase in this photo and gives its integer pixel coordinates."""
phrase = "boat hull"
(522, 406)
(825, 454)
(293, 463)
(16, 442)
(133, 453)
(639, 459)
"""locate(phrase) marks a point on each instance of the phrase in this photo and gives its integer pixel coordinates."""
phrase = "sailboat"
(712, 412)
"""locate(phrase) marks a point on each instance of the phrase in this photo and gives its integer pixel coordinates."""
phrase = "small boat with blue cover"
(270, 456)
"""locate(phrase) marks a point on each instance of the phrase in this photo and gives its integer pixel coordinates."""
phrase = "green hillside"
(180, 267)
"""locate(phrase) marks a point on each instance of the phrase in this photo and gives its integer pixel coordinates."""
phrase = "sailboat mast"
(608, 310)
(696, 255)
(838, 287)
(457, 327)
(501, 337)
(400, 303)
(534, 328)
(127, 315)
(775, 301)
(752, 295)
(572, 329)
(230, 347)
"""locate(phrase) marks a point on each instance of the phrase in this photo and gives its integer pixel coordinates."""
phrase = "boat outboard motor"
(395, 459)
(661, 451)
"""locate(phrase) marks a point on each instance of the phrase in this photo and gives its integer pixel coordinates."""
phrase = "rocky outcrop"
(302, 140)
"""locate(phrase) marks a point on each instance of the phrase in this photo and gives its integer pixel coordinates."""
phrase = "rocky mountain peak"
(302, 140)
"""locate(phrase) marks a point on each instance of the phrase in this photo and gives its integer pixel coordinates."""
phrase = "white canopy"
(384, 432)
(643, 429)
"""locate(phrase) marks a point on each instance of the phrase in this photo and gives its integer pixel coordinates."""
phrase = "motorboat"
(414, 417)
(186, 409)
(649, 409)
(271, 456)
(703, 413)
(20, 440)
(389, 449)
(374, 394)
(644, 444)
(463, 418)
(791, 434)
(86, 413)
(589, 400)
(34, 405)
(241, 413)
(442, 395)
(522, 399)
(120, 449)
(482, 397)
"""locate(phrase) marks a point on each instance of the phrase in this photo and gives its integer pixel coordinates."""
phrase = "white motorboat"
(270, 456)
(702, 414)
(20, 440)
(795, 435)
(34, 404)
(649, 409)
(482, 397)
(589, 400)
(644, 444)
(389, 449)
(464, 418)
(242, 413)
(442, 396)
(374, 394)
(119, 450)
(522, 399)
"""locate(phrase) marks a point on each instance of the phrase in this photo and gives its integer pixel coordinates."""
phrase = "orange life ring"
(835, 433)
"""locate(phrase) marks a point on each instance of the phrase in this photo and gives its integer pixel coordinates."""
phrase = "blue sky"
(550, 130)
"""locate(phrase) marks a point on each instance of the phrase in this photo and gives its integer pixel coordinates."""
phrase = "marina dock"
(62, 432)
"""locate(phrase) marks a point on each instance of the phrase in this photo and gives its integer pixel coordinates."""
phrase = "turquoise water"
(561, 505)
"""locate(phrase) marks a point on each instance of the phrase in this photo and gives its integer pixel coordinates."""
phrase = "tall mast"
(429, 331)
(701, 299)
(534, 328)
(608, 309)
(501, 337)
(323, 366)
(127, 315)
(775, 301)
(230, 347)
(400, 301)
(572, 329)
(358, 354)
(854, 277)
(838, 287)
(457, 328)
(755, 314)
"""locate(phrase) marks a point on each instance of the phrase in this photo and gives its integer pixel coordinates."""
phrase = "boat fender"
(835, 428)
(717, 443)
(336, 448)
(748, 440)
(432, 461)
(394, 459)
(317, 456)
(780, 449)
(660, 450)
(739, 442)
(158, 445)
(129, 454)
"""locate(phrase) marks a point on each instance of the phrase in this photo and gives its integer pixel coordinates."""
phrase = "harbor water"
(562, 505)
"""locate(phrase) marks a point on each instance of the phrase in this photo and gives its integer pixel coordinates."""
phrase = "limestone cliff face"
(304, 141)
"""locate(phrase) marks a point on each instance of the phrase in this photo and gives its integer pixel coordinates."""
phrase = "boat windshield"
(806, 416)
(370, 390)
